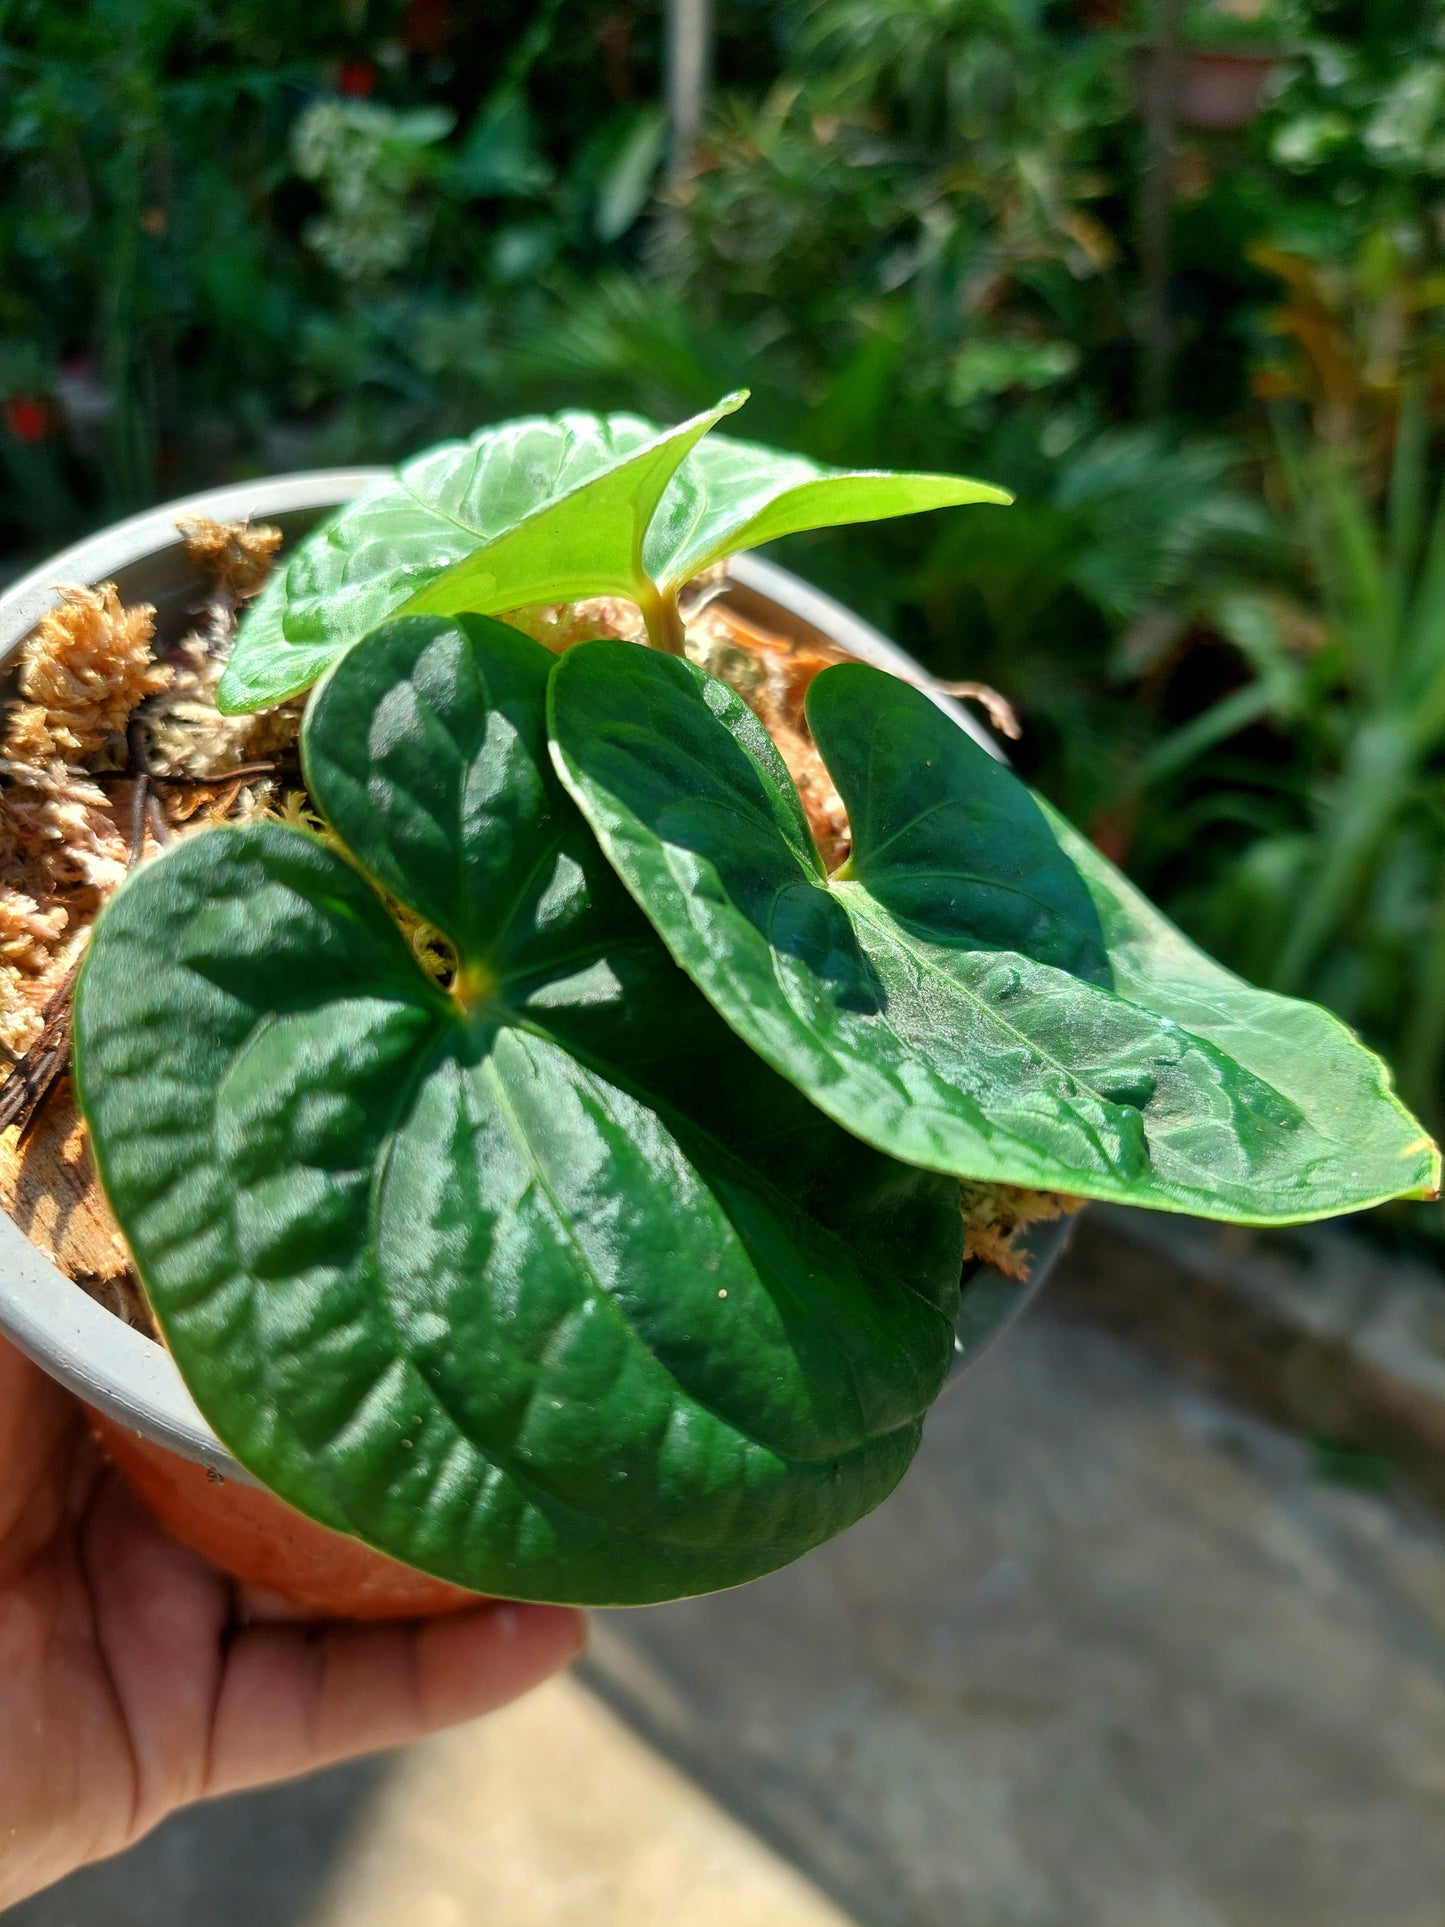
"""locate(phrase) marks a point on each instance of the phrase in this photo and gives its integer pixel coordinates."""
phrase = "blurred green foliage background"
(237, 236)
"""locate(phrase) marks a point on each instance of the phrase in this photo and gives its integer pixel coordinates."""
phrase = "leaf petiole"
(665, 629)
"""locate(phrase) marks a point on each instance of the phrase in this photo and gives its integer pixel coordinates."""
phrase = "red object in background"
(1112, 834)
(1224, 90)
(27, 417)
(1219, 89)
(356, 78)
(614, 37)
(425, 26)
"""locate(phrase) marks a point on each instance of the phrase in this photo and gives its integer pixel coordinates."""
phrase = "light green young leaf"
(733, 495)
(585, 539)
(540, 509)
(549, 511)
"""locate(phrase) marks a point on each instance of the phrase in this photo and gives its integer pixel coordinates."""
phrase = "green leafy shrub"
(1339, 895)
(624, 1264)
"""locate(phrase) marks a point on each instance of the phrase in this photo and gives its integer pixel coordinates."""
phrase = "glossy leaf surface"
(536, 510)
(976, 991)
(731, 495)
(543, 1283)
(547, 510)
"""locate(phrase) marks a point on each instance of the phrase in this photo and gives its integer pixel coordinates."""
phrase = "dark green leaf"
(976, 991)
(544, 1283)
(500, 155)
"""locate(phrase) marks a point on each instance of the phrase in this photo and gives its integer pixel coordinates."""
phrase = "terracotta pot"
(1220, 89)
(144, 1416)
(249, 1533)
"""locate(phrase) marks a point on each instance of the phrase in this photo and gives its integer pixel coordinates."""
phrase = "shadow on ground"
(257, 1860)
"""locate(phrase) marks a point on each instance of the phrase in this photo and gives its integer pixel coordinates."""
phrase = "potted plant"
(138, 1402)
(550, 1155)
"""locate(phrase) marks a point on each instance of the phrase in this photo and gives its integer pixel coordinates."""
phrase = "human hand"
(132, 1684)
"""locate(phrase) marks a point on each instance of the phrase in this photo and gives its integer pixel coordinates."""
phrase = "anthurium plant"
(618, 1258)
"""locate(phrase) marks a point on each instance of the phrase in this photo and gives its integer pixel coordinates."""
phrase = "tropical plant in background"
(369, 162)
(1343, 896)
(922, 197)
(1237, 26)
(1125, 542)
(1357, 133)
(909, 215)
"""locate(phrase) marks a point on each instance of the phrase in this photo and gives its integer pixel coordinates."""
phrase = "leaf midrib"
(479, 536)
(499, 1009)
(680, 1124)
(561, 1221)
(481, 539)
(966, 877)
(860, 909)
(503, 1455)
(872, 786)
(672, 580)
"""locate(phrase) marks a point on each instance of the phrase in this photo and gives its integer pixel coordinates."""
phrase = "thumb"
(294, 1698)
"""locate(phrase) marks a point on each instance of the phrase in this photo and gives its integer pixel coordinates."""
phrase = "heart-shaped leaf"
(975, 991)
(540, 1282)
(545, 510)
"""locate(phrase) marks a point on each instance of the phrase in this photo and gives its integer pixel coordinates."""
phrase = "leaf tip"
(1426, 1144)
(231, 694)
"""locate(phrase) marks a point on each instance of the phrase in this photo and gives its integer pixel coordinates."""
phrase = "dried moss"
(236, 555)
(84, 669)
(994, 1216)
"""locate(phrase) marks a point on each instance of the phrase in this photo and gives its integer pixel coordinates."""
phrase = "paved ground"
(1111, 1658)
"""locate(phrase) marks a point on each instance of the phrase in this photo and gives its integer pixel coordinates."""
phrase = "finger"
(37, 1417)
(295, 1698)
(159, 1615)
